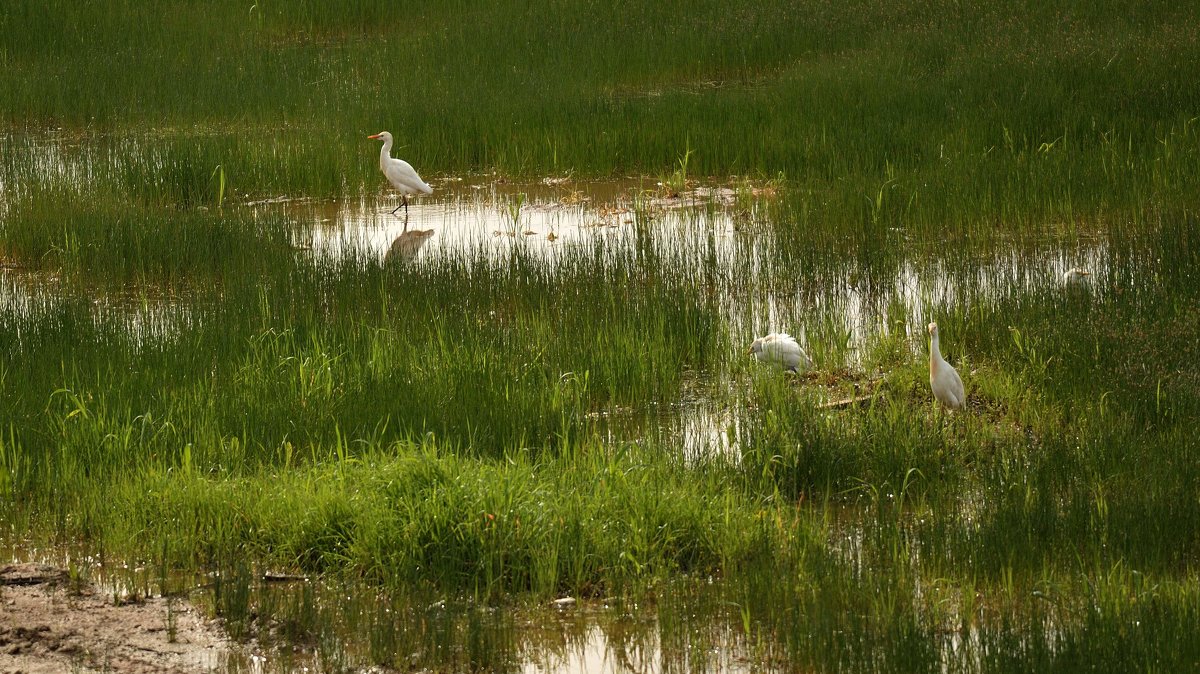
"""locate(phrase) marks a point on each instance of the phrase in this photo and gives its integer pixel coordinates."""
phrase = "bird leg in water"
(403, 203)
(404, 197)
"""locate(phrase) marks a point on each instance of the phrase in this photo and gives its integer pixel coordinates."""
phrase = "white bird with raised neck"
(943, 378)
(399, 173)
(781, 349)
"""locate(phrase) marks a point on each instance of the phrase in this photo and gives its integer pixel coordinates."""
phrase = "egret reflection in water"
(405, 246)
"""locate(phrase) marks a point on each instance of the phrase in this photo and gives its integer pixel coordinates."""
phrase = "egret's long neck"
(385, 153)
(935, 353)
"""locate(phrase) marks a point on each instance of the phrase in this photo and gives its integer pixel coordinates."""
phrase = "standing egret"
(781, 349)
(400, 174)
(943, 378)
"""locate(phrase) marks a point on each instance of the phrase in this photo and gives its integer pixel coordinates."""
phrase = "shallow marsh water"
(703, 230)
(839, 305)
(834, 308)
(211, 370)
(834, 305)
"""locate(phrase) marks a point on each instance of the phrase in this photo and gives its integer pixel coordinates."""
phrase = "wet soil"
(52, 623)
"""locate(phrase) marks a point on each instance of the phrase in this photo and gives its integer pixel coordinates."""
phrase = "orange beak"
(376, 136)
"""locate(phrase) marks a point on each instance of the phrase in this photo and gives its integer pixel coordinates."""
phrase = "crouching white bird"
(399, 173)
(781, 349)
(943, 378)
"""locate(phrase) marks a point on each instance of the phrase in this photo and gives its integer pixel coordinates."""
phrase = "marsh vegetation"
(213, 369)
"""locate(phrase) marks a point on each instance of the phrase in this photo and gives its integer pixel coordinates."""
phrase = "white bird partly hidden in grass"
(943, 378)
(781, 349)
(400, 174)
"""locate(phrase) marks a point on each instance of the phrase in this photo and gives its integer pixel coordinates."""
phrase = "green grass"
(185, 390)
(874, 93)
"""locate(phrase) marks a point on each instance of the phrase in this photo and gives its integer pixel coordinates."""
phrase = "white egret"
(780, 348)
(943, 378)
(399, 173)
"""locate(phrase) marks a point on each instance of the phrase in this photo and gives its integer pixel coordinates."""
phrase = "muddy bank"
(50, 624)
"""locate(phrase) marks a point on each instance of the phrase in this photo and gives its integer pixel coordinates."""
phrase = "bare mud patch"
(51, 623)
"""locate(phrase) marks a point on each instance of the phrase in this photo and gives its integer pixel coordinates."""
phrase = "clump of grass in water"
(676, 183)
(583, 524)
(514, 213)
(219, 174)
